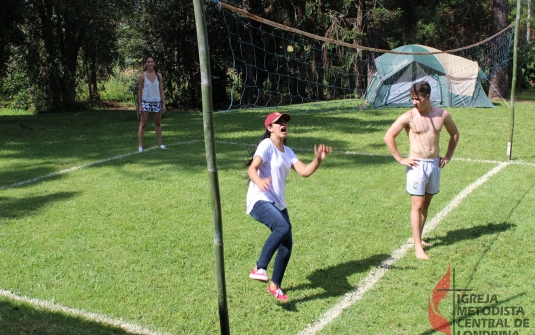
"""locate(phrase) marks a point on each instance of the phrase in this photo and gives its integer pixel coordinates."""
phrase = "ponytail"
(267, 134)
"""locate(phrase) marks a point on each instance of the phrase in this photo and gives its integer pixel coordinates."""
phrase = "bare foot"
(421, 255)
(425, 244)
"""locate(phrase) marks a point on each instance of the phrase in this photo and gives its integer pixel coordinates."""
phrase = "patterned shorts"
(151, 106)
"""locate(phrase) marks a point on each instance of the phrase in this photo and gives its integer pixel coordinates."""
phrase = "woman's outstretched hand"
(321, 151)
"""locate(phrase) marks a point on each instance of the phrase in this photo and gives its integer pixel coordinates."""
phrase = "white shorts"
(424, 178)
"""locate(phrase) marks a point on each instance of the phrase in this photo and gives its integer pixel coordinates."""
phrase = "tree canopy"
(51, 49)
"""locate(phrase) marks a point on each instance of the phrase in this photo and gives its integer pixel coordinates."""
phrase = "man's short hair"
(421, 88)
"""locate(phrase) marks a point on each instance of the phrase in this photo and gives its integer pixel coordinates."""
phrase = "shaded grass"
(19, 318)
(132, 238)
(527, 95)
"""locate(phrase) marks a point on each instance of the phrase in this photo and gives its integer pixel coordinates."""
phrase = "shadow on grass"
(42, 144)
(43, 174)
(459, 235)
(332, 280)
(17, 208)
(307, 130)
(20, 318)
(470, 316)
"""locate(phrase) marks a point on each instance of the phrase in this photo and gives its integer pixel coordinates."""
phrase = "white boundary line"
(60, 172)
(387, 155)
(74, 168)
(376, 274)
(103, 319)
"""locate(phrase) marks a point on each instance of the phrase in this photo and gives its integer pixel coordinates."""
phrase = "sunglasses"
(281, 121)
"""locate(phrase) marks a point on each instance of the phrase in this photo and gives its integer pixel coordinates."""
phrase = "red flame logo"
(437, 320)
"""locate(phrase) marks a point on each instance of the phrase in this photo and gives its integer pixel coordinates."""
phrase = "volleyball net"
(274, 65)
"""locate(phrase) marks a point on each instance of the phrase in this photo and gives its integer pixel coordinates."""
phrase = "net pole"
(513, 83)
(209, 143)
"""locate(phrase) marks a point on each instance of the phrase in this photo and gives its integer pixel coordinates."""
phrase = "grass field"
(98, 239)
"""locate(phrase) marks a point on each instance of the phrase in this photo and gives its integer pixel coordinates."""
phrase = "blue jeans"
(279, 240)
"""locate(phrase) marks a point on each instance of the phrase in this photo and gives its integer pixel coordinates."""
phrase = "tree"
(166, 30)
(100, 51)
(168, 34)
(67, 43)
(11, 16)
(57, 33)
(526, 47)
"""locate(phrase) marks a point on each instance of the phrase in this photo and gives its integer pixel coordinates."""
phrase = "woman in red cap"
(266, 198)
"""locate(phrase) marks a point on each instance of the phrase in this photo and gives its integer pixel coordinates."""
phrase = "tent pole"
(513, 84)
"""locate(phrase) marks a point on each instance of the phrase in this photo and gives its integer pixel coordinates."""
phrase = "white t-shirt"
(277, 165)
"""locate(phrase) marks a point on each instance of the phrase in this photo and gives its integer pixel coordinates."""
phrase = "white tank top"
(151, 90)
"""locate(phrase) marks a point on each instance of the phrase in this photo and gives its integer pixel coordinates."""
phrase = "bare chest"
(425, 124)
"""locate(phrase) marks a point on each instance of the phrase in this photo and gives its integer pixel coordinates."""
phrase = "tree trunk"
(69, 48)
(249, 86)
(70, 83)
(359, 25)
(499, 83)
(373, 37)
(92, 74)
(319, 69)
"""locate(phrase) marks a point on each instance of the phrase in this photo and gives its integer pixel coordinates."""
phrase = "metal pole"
(209, 144)
(513, 84)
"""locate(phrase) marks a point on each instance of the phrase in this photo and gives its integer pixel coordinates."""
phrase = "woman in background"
(151, 99)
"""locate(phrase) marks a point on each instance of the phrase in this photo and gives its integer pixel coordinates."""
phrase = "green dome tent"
(455, 81)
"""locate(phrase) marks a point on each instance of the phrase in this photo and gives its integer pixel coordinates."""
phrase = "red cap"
(274, 117)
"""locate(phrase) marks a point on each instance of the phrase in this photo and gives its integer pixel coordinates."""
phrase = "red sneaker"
(277, 293)
(259, 274)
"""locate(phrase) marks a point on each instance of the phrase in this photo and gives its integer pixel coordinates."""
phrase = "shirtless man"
(422, 124)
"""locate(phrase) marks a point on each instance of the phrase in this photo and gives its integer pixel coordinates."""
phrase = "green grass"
(132, 238)
(527, 95)
(15, 111)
